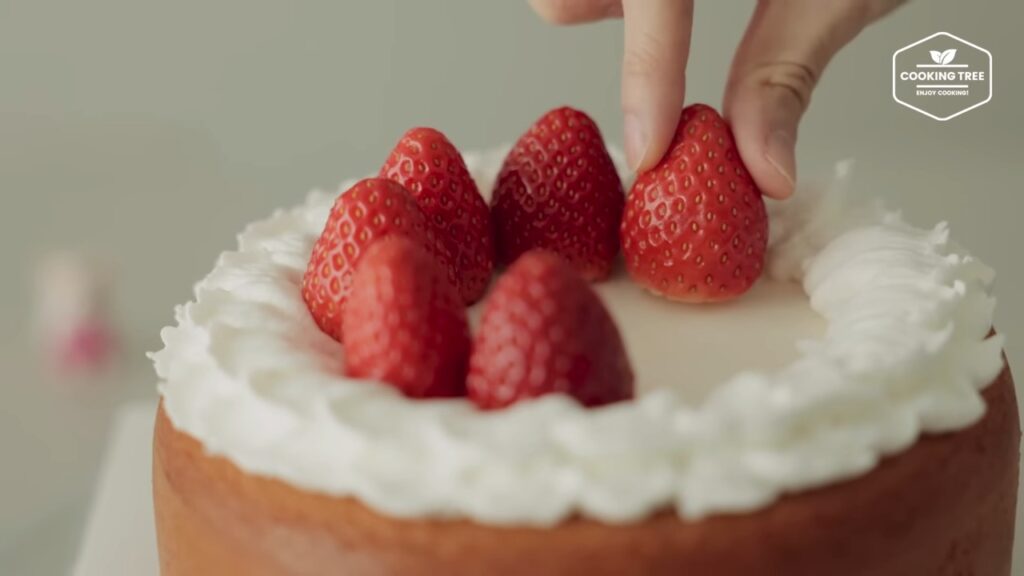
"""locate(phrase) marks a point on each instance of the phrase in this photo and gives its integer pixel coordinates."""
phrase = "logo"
(942, 76)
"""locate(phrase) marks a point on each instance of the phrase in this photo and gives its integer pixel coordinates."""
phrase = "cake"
(851, 414)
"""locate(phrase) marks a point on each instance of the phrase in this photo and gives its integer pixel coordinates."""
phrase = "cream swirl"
(906, 351)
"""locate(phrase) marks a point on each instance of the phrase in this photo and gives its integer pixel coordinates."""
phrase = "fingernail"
(636, 141)
(781, 155)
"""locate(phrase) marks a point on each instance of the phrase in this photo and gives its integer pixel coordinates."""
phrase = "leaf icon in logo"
(944, 57)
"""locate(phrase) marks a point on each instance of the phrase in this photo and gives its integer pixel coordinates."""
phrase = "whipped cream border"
(906, 351)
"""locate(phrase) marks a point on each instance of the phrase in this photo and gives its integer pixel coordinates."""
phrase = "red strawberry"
(367, 211)
(431, 168)
(695, 227)
(544, 330)
(558, 190)
(405, 323)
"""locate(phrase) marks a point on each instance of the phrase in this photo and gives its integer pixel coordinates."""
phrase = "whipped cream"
(898, 347)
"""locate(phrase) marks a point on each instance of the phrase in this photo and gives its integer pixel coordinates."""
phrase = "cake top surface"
(865, 333)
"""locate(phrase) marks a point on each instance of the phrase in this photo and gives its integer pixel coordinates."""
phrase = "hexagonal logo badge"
(942, 76)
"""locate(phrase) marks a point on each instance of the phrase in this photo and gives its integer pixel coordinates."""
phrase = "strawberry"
(431, 168)
(405, 323)
(371, 209)
(558, 190)
(695, 227)
(544, 330)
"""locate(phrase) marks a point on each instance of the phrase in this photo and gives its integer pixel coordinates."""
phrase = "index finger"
(576, 11)
(657, 45)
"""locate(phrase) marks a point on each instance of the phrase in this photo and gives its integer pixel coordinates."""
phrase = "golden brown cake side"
(944, 507)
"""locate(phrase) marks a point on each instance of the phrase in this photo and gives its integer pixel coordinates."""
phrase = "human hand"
(782, 55)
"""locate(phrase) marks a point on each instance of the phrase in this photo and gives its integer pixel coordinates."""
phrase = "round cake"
(852, 414)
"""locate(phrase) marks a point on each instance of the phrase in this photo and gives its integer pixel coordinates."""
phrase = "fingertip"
(777, 191)
(780, 154)
(656, 149)
(647, 141)
(635, 136)
(764, 121)
(566, 12)
(646, 163)
(770, 161)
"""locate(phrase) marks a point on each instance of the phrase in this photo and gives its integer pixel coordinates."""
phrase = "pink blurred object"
(90, 345)
(73, 325)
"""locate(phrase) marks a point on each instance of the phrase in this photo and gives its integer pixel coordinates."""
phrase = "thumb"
(785, 49)
(765, 110)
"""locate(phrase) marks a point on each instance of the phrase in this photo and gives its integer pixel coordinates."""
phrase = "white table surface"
(119, 537)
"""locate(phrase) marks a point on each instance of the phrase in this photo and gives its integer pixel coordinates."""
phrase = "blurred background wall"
(148, 133)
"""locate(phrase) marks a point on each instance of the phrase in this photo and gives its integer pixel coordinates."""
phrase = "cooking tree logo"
(942, 76)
